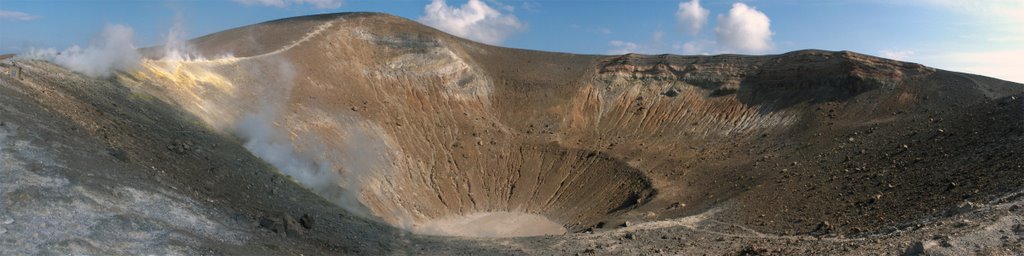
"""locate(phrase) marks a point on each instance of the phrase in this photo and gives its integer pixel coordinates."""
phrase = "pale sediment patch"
(491, 224)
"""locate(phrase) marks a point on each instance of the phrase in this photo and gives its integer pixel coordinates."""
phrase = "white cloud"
(744, 29)
(1002, 64)
(995, 21)
(990, 42)
(655, 46)
(319, 4)
(1002, 12)
(970, 5)
(530, 6)
(697, 47)
(499, 5)
(474, 20)
(901, 55)
(623, 47)
(658, 37)
(16, 16)
(691, 16)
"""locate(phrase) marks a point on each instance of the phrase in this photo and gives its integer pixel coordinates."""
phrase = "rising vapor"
(111, 50)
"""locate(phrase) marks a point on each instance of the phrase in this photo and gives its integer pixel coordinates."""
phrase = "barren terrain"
(364, 133)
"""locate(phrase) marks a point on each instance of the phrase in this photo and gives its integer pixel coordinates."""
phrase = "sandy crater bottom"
(491, 224)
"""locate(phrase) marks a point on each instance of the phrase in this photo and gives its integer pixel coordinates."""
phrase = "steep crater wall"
(411, 126)
(404, 133)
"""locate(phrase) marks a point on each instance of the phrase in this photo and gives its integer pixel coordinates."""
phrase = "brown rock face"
(408, 124)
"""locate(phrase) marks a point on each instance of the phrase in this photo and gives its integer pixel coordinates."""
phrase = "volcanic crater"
(400, 124)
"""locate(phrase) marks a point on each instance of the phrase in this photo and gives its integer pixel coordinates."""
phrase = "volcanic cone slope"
(414, 125)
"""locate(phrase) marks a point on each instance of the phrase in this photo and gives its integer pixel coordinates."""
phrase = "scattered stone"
(118, 154)
(306, 221)
(180, 147)
(874, 198)
(627, 224)
(284, 225)
(964, 207)
(273, 224)
(750, 250)
(600, 224)
(920, 248)
(291, 226)
(943, 241)
(962, 223)
(915, 249)
(631, 236)
(823, 228)
(7, 220)
(672, 92)
(676, 205)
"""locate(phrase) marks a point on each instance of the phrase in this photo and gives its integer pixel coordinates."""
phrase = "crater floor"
(491, 224)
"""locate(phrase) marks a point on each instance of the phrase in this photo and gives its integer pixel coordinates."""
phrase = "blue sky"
(984, 37)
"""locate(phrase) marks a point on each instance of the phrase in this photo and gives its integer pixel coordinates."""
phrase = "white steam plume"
(112, 49)
(334, 174)
(176, 48)
(316, 173)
